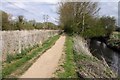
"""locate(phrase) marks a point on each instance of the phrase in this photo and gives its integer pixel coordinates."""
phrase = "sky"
(35, 9)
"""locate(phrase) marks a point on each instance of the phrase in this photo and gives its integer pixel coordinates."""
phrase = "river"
(112, 58)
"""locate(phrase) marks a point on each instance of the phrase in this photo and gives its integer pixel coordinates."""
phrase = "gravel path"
(47, 63)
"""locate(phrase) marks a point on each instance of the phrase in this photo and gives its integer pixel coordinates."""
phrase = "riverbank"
(78, 62)
(101, 50)
(115, 48)
(110, 42)
(89, 66)
(109, 48)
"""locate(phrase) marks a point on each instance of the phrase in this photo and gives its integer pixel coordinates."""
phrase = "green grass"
(13, 57)
(83, 57)
(8, 69)
(69, 66)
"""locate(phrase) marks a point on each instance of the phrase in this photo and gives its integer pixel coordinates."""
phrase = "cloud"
(31, 10)
(109, 9)
(35, 9)
(44, 1)
(19, 4)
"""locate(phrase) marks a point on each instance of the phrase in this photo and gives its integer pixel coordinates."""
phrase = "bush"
(10, 57)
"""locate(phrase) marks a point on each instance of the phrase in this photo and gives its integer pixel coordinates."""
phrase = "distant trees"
(46, 25)
(49, 25)
(22, 24)
(81, 18)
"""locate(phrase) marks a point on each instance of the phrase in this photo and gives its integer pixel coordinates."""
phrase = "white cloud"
(46, 1)
(89, 0)
(19, 4)
(109, 9)
(31, 10)
(35, 9)
(56, 1)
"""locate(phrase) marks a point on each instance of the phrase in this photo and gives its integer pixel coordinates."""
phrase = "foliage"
(39, 26)
(71, 15)
(81, 18)
(5, 21)
(22, 24)
(108, 23)
(20, 18)
(114, 40)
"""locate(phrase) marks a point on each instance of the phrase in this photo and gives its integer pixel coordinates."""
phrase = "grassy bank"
(79, 63)
(9, 68)
(87, 65)
(68, 66)
(91, 67)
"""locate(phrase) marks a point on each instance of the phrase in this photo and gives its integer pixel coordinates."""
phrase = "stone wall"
(13, 42)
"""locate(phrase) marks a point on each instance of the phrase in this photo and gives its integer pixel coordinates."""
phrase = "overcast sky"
(35, 9)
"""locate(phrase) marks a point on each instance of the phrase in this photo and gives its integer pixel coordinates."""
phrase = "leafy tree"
(66, 16)
(75, 16)
(5, 21)
(20, 18)
(108, 23)
(81, 18)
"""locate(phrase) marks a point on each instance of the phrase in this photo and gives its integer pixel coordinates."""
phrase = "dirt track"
(46, 65)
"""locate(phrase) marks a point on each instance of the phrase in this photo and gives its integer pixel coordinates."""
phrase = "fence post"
(19, 42)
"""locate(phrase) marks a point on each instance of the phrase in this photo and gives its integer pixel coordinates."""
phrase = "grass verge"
(69, 66)
(91, 67)
(11, 67)
(13, 57)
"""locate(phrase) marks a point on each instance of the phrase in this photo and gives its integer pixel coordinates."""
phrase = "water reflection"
(99, 49)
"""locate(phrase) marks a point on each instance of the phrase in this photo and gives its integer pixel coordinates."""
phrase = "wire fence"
(13, 42)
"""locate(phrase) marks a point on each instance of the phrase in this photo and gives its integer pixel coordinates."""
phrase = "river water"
(112, 58)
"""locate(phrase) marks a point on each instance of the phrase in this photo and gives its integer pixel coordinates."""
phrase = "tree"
(51, 25)
(5, 21)
(75, 16)
(81, 18)
(66, 16)
(20, 23)
(108, 23)
(20, 18)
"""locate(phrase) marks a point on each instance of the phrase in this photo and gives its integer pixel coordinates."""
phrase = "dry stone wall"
(13, 42)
